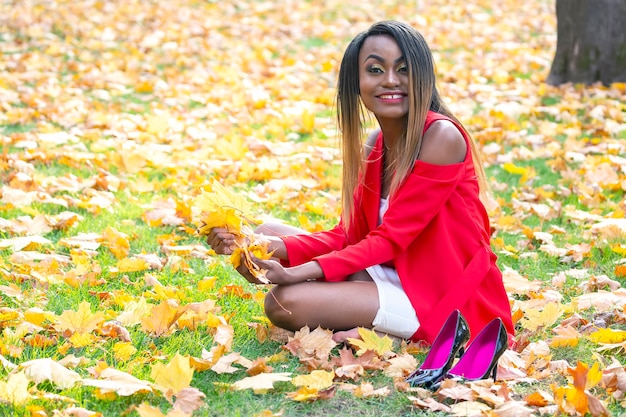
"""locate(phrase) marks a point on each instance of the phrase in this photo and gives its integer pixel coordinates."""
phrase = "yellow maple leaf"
(131, 265)
(371, 341)
(176, 375)
(81, 339)
(317, 379)
(244, 254)
(546, 317)
(80, 321)
(117, 242)
(122, 351)
(37, 316)
(525, 173)
(219, 207)
(304, 394)
(207, 284)
(608, 336)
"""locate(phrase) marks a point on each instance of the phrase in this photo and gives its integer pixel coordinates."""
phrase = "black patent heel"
(447, 345)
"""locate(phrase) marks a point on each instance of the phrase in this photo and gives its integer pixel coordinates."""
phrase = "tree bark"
(591, 42)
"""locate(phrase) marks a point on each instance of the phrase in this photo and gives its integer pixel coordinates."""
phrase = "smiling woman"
(413, 230)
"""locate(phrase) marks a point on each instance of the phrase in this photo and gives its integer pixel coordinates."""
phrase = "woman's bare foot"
(343, 336)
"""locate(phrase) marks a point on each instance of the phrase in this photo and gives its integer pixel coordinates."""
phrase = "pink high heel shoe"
(480, 360)
(448, 343)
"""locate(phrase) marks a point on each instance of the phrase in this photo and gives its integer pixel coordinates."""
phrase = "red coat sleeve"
(303, 248)
(412, 208)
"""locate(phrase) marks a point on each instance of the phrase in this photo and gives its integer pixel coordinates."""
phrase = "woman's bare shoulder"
(443, 144)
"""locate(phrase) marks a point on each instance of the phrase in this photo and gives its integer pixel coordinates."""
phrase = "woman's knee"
(275, 228)
(278, 307)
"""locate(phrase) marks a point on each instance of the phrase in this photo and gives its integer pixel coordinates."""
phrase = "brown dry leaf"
(258, 366)
(565, 336)
(401, 366)
(224, 332)
(306, 344)
(223, 365)
(429, 403)
(515, 283)
(601, 300)
(456, 391)
(189, 400)
(366, 390)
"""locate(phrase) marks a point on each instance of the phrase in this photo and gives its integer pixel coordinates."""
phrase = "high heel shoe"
(480, 360)
(448, 343)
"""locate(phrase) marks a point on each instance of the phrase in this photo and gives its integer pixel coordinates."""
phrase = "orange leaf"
(161, 318)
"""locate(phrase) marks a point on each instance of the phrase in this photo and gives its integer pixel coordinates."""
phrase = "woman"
(412, 245)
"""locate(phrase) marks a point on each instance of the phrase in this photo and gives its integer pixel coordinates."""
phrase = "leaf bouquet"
(222, 208)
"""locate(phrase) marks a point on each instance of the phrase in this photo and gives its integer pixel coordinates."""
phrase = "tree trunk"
(591, 42)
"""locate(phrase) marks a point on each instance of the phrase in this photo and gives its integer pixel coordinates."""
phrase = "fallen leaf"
(261, 383)
(176, 375)
(45, 369)
(371, 341)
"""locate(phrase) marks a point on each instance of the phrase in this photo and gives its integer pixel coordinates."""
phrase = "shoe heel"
(450, 340)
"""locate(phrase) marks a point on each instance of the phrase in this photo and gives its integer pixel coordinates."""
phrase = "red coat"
(436, 233)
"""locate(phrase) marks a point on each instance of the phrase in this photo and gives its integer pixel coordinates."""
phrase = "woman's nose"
(391, 78)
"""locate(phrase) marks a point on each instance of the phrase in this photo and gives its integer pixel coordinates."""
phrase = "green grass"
(43, 287)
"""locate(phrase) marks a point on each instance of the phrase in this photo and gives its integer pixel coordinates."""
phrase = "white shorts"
(396, 315)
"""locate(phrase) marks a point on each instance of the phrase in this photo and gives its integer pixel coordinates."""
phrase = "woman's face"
(383, 78)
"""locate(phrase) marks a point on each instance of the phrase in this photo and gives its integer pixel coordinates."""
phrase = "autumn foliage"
(129, 128)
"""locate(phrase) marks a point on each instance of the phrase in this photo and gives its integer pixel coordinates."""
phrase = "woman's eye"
(403, 68)
(375, 69)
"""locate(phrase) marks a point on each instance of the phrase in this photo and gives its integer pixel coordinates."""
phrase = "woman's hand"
(279, 275)
(221, 241)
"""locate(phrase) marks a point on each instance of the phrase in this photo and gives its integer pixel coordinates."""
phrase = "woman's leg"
(332, 305)
(339, 306)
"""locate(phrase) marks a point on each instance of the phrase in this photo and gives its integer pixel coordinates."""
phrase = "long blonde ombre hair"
(352, 114)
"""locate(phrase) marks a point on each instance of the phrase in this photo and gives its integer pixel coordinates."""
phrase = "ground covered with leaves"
(115, 116)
